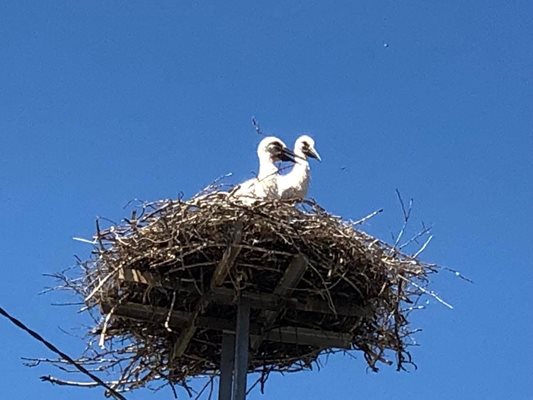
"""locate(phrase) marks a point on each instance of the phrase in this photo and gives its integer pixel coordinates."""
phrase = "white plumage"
(265, 185)
(296, 183)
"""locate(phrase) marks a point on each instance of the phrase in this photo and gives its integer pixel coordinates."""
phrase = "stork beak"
(286, 154)
(314, 154)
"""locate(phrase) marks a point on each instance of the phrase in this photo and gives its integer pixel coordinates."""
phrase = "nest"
(166, 282)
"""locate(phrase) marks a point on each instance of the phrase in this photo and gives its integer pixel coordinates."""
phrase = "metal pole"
(226, 366)
(242, 339)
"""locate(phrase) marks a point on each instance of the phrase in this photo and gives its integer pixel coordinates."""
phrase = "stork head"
(274, 148)
(305, 147)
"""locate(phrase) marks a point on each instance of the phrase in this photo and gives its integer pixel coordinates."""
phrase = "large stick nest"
(354, 285)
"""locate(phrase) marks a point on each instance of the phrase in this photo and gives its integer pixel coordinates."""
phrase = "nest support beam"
(188, 333)
(219, 275)
(179, 320)
(240, 336)
(228, 258)
(263, 301)
(288, 282)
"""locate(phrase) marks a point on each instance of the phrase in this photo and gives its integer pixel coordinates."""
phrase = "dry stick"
(428, 292)
(415, 237)
(79, 239)
(458, 274)
(101, 343)
(406, 216)
(364, 219)
(64, 356)
(257, 127)
(60, 382)
(212, 186)
(102, 282)
(167, 321)
(423, 247)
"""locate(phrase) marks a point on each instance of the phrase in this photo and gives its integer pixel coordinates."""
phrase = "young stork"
(264, 186)
(296, 183)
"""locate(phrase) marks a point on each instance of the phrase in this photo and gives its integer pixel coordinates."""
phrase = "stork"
(264, 186)
(296, 183)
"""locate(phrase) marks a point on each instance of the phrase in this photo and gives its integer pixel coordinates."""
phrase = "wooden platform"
(270, 304)
(242, 334)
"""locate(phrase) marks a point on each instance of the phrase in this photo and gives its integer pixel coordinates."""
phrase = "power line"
(64, 356)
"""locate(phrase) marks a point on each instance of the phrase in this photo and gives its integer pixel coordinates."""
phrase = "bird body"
(295, 184)
(265, 185)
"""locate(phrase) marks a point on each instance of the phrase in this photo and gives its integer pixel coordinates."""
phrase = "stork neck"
(300, 171)
(301, 160)
(266, 168)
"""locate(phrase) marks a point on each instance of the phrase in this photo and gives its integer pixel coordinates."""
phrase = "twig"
(79, 239)
(428, 292)
(424, 231)
(167, 321)
(406, 216)
(61, 382)
(101, 343)
(364, 219)
(257, 127)
(423, 247)
(458, 274)
(102, 283)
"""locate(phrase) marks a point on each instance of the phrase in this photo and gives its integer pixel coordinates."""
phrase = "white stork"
(264, 186)
(296, 183)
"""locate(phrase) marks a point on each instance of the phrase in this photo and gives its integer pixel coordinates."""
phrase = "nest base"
(169, 281)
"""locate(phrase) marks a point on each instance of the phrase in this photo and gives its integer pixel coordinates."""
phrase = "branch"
(428, 292)
(257, 127)
(406, 216)
(364, 219)
(56, 381)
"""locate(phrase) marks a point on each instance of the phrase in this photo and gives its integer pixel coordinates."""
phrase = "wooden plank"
(179, 320)
(146, 313)
(187, 334)
(219, 275)
(228, 258)
(292, 276)
(288, 282)
(309, 337)
(263, 301)
(137, 276)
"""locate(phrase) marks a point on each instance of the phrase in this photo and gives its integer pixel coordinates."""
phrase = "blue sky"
(102, 102)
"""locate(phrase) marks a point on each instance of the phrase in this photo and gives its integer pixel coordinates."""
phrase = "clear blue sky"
(105, 101)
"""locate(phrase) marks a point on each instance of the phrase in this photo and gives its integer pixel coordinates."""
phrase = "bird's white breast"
(264, 187)
(296, 183)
